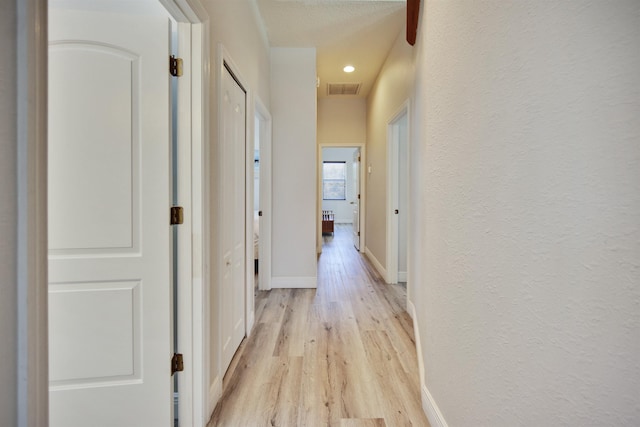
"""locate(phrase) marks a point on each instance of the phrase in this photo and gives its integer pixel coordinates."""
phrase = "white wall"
(390, 91)
(293, 109)
(237, 26)
(528, 113)
(342, 209)
(8, 218)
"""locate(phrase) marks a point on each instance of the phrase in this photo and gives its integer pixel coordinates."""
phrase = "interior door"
(356, 202)
(263, 126)
(403, 197)
(233, 233)
(109, 232)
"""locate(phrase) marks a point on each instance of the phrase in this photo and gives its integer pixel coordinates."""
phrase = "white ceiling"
(355, 32)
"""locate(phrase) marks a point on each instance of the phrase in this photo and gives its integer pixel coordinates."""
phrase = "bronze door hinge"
(177, 215)
(177, 364)
(175, 66)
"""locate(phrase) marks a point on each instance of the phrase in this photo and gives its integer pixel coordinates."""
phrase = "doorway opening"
(341, 191)
(398, 196)
(262, 197)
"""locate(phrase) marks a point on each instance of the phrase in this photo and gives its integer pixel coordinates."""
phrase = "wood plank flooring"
(341, 355)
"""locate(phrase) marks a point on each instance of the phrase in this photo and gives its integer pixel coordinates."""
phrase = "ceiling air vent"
(343, 88)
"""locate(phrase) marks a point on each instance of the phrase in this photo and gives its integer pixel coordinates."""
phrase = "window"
(334, 184)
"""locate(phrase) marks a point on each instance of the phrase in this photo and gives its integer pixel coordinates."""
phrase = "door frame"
(31, 43)
(193, 186)
(363, 190)
(266, 221)
(32, 282)
(393, 173)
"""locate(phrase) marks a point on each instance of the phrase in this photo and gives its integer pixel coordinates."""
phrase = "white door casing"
(356, 201)
(264, 243)
(233, 147)
(397, 135)
(109, 236)
(403, 201)
(193, 239)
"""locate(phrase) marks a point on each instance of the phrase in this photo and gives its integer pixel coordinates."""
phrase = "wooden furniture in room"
(327, 222)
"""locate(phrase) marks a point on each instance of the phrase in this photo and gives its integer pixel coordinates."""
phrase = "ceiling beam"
(413, 14)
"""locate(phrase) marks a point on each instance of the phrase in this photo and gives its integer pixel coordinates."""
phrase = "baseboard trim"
(250, 322)
(215, 392)
(294, 282)
(402, 276)
(411, 309)
(429, 405)
(381, 270)
(431, 409)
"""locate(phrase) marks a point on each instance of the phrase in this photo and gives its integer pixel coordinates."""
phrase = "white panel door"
(356, 201)
(109, 253)
(233, 214)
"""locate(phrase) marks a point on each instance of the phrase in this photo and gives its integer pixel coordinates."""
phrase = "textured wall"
(390, 91)
(529, 310)
(8, 243)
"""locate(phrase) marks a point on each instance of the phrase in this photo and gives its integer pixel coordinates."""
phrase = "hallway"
(341, 355)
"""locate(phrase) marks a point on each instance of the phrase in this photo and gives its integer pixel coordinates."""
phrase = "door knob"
(396, 212)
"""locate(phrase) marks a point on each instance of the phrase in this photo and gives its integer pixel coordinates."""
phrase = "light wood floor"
(342, 355)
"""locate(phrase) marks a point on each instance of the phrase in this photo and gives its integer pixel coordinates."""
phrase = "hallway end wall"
(342, 121)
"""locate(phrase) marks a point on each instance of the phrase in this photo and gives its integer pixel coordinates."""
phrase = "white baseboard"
(381, 270)
(429, 405)
(431, 409)
(250, 322)
(215, 392)
(294, 282)
(402, 276)
(411, 309)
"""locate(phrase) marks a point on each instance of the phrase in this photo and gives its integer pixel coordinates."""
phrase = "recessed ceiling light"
(349, 69)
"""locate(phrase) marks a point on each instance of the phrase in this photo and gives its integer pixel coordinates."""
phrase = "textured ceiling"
(355, 32)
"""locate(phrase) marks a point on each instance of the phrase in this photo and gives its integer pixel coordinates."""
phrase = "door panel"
(109, 254)
(111, 308)
(233, 196)
(105, 220)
